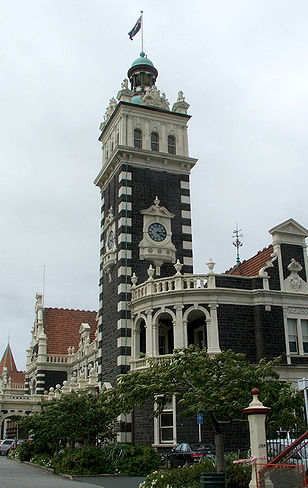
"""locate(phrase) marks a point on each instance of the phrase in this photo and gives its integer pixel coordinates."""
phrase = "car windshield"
(198, 447)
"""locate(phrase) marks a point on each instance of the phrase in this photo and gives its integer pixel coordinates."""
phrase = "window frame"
(155, 144)
(300, 337)
(173, 145)
(158, 441)
(137, 140)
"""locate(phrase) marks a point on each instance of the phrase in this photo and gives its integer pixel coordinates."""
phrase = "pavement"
(14, 474)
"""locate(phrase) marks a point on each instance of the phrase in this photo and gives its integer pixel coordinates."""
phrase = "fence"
(280, 476)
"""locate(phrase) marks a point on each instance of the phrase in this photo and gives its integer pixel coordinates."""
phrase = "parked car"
(5, 446)
(186, 453)
(14, 445)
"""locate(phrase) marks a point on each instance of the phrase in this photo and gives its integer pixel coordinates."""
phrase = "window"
(166, 427)
(304, 324)
(292, 331)
(138, 138)
(154, 141)
(171, 144)
(298, 336)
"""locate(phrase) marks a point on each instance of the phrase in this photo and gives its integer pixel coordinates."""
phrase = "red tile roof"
(251, 266)
(62, 328)
(8, 362)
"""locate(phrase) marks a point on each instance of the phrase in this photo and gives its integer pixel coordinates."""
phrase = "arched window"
(138, 138)
(171, 144)
(154, 141)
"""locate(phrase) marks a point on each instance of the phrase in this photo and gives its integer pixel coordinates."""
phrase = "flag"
(136, 28)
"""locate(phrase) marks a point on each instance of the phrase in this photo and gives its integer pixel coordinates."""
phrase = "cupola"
(142, 74)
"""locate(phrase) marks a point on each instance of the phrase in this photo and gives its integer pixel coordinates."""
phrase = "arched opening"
(138, 138)
(165, 335)
(140, 338)
(171, 145)
(154, 141)
(196, 329)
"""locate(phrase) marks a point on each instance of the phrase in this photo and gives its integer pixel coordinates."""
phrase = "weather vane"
(237, 242)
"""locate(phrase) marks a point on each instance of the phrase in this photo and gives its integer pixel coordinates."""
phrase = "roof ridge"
(70, 309)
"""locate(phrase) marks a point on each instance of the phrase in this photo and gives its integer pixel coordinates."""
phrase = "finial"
(156, 201)
(237, 242)
(142, 54)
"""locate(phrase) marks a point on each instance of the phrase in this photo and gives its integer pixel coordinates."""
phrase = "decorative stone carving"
(109, 111)
(178, 266)
(154, 98)
(294, 282)
(211, 265)
(156, 245)
(125, 94)
(180, 105)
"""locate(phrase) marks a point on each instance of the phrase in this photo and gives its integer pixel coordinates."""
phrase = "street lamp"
(302, 384)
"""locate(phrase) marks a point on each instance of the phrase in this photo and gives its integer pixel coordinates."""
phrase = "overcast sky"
(242, 65)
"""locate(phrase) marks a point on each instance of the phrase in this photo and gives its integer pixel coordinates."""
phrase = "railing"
(14, 386)
(57, 358)
(170, 284)
(144, 363)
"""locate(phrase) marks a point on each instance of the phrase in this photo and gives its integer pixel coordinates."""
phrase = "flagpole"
(141, 11)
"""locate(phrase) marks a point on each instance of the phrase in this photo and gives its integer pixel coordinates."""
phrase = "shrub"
(237, 475)
(24, 452)
(87, 460)
(43, 459)
(185, 477)
(132, 460)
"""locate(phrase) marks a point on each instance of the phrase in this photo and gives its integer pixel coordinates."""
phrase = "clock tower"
(145, 203)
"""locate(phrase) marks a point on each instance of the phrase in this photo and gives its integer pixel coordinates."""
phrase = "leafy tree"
(74, 417)
(219, 386)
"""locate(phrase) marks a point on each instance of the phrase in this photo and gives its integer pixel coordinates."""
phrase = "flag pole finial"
(141, 12)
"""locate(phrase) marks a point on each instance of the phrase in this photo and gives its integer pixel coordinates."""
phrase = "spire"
(7, 360)
(237, 243)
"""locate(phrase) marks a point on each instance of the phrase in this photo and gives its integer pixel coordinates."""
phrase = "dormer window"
(138, 138)
(154, 141)
(171, 144)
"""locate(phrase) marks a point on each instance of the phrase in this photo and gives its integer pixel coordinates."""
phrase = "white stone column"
(256, 417)
(155, 330)
(149, 334)
(178, 328)
(130, 138)
(135, 343)
(185, 332)
(212, 331)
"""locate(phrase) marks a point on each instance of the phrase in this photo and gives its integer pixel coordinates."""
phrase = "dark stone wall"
(252, 330)
(289, 251)
(239, 282)
(236, 434)
(53, 378)
(273, 273)
(146, 184)
(236, 329)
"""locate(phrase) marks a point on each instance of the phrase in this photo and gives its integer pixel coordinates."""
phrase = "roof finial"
(237, 242)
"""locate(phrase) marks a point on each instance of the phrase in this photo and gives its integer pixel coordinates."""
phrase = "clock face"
(157, 232)
(110, 240)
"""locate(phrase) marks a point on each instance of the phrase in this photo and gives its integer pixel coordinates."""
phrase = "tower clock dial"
(157, 232)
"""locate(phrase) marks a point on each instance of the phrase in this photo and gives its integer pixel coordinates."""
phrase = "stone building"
(150, 300)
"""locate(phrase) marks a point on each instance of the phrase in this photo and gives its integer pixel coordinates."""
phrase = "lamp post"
(302, 384)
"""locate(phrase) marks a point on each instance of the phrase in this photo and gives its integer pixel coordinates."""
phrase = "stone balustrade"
(144, 363)
(57, 358)
(171, 284)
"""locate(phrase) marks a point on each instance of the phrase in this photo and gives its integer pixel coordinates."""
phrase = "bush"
(237, 475)
(23, 452)
(43, 459)
(132, 460)
(185, 477)
(87, 460)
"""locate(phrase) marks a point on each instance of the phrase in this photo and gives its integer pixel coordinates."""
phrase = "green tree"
(217, 385)
(74, 417)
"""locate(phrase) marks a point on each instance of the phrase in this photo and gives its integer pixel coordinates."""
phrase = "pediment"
(289, 232)
(156, 209)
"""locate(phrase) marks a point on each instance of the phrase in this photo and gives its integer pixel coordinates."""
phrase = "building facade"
(150, 301)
